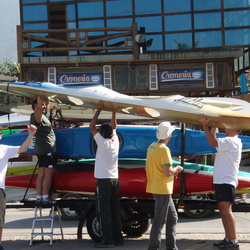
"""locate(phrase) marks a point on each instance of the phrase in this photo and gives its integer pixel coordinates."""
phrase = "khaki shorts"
(2, 207)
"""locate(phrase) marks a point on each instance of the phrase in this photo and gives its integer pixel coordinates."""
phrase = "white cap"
(164, 130)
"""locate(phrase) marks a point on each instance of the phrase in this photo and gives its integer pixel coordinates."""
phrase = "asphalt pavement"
(192, 234)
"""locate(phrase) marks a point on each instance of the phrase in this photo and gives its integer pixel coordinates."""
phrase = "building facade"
(136, 47)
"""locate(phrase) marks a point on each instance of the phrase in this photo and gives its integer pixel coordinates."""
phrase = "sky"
(9, 18)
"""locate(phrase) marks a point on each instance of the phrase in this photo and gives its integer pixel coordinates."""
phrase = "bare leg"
(39, 181)
(47, 180)
(228, 219)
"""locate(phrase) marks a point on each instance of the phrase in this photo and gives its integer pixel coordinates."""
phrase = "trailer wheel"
(68, 214)
(136, 225)
(197, 213)
(93, 227)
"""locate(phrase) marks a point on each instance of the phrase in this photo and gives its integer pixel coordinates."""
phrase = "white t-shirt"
(6, 152)
(227, 161)
(106, 163)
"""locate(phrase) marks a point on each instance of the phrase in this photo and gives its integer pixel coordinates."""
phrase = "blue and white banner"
(181, 75)
(79, 79)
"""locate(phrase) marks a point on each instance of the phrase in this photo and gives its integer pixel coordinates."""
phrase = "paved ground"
(184, 242)
(18, 229)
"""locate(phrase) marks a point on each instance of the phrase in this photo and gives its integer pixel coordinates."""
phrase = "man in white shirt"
(107, 187)
(7, 152)
(226, 167)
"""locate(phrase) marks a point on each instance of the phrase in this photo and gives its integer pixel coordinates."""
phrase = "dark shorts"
(224, 192)
(47, 161)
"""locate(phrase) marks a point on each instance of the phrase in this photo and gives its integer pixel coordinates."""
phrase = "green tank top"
(45, 139)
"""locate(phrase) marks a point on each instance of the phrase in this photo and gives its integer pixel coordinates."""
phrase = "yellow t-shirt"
(158, 155)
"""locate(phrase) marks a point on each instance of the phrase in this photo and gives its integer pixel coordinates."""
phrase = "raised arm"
(113, 120)
(210, 133)
(23, 148)
(93, 122)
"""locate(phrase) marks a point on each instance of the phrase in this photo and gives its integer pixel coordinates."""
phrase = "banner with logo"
(181, 75)
(79, 79)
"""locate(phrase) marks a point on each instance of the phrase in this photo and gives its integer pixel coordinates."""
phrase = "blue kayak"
(134, 142)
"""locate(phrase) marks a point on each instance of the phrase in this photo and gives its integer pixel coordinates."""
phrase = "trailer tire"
(68, 214)
(199, 213)
(93, 227)
(136, 225)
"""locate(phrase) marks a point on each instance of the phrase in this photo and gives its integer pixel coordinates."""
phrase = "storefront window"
(130, 77)
(222, 75)
(36, 75)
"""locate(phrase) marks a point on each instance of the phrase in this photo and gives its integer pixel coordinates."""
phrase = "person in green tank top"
(45, 149)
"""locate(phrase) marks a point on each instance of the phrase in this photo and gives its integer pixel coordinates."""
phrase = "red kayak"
(132, 182)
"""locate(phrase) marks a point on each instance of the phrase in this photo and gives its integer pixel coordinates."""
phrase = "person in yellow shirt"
(160, 182)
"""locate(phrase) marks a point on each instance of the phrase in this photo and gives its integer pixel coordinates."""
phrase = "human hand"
(100, 105)
(32, 129)
(40, 101)
(179, 169)
(203, 120)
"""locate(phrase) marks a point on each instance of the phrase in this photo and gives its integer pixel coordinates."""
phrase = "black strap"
(182, 174)
(27, 189)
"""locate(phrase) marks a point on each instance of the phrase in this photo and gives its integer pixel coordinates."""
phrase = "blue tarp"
(243, 84)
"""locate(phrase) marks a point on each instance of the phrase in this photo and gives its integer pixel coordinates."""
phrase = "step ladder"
(39, 218)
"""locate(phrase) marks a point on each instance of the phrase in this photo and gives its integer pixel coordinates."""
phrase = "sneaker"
(105, 245)
(37, 204)
(48, 201)
(227, 245)
(220, 243)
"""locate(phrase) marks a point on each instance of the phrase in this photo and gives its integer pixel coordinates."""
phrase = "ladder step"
(38, 217)
(40, 234)
(43, 219)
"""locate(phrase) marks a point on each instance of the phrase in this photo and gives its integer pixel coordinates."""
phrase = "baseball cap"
(164, 130)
